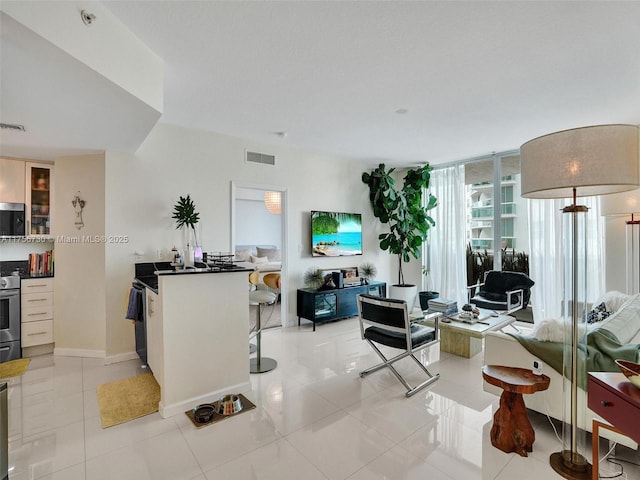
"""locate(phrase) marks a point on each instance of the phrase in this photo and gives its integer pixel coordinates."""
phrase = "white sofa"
(502, 349)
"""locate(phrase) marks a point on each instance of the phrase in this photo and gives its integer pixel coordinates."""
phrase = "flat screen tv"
(335, 234)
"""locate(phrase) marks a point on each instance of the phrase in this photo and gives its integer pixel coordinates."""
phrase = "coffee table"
(465, 339)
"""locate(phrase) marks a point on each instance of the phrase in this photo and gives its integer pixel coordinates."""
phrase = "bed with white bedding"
(265, 258)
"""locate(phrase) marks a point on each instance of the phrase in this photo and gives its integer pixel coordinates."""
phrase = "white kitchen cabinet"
(36, 311)
(39, 198)
(12, 174)
(154, 334)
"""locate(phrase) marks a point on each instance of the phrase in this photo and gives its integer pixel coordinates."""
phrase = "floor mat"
(14, 368)
(128, 399)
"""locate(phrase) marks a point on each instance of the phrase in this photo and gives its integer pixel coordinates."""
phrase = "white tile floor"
(315, 419)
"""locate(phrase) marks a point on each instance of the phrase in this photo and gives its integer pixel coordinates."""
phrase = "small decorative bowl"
(228, 405)
(203, 413)
(631, 371)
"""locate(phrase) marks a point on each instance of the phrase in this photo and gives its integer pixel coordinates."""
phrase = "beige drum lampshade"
(595, 160)
(625, 203)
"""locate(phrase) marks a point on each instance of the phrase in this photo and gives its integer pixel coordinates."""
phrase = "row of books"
(447, 307)
(41, 263)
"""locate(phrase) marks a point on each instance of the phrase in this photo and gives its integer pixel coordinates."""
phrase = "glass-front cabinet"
(39, 198)
(326, 305)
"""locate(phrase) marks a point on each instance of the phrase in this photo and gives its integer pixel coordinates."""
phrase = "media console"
(321, 306)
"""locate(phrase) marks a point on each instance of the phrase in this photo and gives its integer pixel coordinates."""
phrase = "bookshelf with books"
(41, 264)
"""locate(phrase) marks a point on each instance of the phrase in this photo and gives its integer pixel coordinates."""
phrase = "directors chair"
(385, 321)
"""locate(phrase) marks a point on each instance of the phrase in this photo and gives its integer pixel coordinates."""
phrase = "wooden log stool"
(512, 430)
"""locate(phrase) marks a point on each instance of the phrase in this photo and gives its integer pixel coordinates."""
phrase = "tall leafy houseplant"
(402, 210)
(185, 215)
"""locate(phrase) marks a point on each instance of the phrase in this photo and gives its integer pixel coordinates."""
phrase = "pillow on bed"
(259, 259)
(243, 255)
(273, 254)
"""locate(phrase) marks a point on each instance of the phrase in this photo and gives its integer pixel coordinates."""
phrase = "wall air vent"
(12, 126)
(265, 159)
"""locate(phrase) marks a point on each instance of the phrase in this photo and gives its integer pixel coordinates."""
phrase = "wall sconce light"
(78, 205)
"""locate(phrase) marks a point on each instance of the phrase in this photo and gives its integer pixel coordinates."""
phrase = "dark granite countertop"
(147, 273)
(22, 266)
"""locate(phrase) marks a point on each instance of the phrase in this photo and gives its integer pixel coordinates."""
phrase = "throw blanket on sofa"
(602, 350)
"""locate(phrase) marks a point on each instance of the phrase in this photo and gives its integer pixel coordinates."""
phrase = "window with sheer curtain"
(546, 260)
(468, 215)
(447, 245)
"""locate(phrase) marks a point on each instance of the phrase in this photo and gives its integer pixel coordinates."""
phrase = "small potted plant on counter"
(185, 215)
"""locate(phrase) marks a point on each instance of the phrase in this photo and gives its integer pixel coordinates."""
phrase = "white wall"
(255, 225)
(615, 254)
(79, 284)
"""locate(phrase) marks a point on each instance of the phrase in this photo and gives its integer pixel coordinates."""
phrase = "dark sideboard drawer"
(616, 400)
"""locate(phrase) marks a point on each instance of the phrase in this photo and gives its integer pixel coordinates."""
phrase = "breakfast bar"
(197, 331)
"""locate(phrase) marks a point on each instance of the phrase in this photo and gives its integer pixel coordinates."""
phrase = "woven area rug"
(14, 368)
(128, 399)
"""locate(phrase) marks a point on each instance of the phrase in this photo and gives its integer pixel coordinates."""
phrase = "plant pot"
(408, 293)
(425, 296)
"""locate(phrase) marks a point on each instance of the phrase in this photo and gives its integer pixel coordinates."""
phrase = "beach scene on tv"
(336, 234)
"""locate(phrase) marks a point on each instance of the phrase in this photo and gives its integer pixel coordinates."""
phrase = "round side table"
(512, 430)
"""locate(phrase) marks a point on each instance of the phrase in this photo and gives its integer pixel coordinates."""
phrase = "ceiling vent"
(12, 126)
(263, 158)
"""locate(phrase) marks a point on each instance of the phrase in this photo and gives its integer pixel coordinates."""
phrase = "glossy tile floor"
(315, 420)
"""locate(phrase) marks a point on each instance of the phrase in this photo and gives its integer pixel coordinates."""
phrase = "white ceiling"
(473, 77)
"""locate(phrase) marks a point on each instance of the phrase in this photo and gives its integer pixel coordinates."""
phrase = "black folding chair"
(386, 321)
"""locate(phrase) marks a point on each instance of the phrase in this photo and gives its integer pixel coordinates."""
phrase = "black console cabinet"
(326, 305)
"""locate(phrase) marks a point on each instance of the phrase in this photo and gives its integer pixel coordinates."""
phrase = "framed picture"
(351, 272)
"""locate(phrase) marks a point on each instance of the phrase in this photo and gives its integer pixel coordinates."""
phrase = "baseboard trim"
(167, 411)
(78, 352)
(121, 357)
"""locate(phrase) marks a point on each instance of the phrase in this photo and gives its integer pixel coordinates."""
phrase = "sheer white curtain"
(447, 245)
(546, 257)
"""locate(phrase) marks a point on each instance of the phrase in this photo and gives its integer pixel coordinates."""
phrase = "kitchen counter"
(22, 266)
(197, 333)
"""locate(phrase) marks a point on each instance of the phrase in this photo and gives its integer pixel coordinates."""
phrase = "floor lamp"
(627, 204)
(586, 161)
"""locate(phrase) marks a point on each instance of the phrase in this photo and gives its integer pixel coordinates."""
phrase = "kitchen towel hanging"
(134, 309)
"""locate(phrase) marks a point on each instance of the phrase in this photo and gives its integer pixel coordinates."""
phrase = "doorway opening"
(258, 236)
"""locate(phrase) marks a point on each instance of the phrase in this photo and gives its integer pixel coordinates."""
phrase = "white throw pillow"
(549, 330)
(259, 259)
(625, 322)
(273, 254)
(243, 255)
(613, 300)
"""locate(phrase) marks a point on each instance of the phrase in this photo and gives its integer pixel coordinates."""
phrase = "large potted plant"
(406, 216)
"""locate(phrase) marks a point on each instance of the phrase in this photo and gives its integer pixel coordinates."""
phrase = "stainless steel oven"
(12, 217)
(10, 318)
